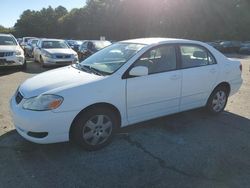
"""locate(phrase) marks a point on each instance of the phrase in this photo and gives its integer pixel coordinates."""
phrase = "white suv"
(11, 54)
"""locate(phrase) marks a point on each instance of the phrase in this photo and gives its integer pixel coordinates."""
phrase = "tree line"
(122, 19)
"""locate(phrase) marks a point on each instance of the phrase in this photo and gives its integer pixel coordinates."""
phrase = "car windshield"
(54, 44)
(7, 41)
(111, 58)
(79, 42)
(34, 41)
(246, 45)
(101, 44)
(27, 39)
(71, 42)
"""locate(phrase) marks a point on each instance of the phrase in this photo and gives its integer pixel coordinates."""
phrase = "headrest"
(200, 54)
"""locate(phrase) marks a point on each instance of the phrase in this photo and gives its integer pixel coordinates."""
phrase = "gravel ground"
(190, 149)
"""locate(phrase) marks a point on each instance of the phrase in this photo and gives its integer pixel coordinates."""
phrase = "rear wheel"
(94, 128)
(218, 100)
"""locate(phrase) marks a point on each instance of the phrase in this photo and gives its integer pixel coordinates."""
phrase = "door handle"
(175, 77)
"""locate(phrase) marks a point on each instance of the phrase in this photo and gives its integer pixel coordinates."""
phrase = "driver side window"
(157, 60)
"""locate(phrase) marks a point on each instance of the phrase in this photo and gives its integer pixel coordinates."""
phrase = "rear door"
(199, 71)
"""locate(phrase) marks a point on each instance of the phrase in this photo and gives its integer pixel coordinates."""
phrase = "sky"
(10, 10)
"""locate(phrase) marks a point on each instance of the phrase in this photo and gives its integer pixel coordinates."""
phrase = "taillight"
(241, 67)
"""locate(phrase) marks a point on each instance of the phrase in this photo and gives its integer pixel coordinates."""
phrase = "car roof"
(4, 34)
(150, 41)
(96, 41)
(44, 39)
(34, 39)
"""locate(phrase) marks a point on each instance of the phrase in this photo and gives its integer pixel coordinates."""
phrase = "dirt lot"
(190, 149)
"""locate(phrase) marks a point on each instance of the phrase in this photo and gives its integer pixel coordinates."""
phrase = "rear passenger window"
(194, 56)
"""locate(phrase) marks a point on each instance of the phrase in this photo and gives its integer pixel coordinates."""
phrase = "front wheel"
(42, 62)
(95, 128)
(24, 66)
(217, 100)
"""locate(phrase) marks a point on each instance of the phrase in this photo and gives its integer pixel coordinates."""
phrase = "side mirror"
(139, 71)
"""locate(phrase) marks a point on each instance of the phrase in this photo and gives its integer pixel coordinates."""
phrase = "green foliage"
(43, 23)
(6, 30)
(123, 19)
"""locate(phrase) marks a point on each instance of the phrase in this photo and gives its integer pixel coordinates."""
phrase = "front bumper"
(56, 61)
(12, 61)
(56, 125)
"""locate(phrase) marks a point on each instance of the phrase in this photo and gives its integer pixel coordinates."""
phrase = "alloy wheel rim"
(97, 130)
(219, 101)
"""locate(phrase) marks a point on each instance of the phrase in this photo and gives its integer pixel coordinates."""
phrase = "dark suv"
(89, 47)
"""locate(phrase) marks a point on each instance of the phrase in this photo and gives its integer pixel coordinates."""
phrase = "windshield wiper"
(80, 67)
(98, 72)
(92, 70)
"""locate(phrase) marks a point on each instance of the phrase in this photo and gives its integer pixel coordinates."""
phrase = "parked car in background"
(11, 54)
(90, 47)
(19, 40)
(125, 83)
(25, 40)
(216, 45)
(245, 49)
(54, 52)
(77, 45)
(230, 46)
(28, 49)
(71, 43)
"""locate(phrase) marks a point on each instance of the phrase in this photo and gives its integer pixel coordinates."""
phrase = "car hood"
(56, 80)
(8, 48)
(60, 51)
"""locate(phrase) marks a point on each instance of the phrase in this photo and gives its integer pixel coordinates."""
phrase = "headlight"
(47, 54)
(43, 103)
(18, 52)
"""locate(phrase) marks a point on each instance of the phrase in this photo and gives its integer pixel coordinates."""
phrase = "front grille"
(63, 56)
(5, 62)
(9, 54)
(19, 97)
(64, 62)
(6, 54)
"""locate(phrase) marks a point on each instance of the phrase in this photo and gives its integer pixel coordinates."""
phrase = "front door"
(158, 93)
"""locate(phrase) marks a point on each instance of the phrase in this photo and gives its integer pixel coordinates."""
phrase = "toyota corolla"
(54, 52)
(125, 83)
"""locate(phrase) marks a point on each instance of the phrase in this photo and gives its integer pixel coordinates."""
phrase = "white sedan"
(125, 83)
(51, 52)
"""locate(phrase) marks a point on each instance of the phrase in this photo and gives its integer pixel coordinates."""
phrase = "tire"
(218, 100)
(41, 62)
(94, 128)
(25, 53)
(35, 59)
(24, 66)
